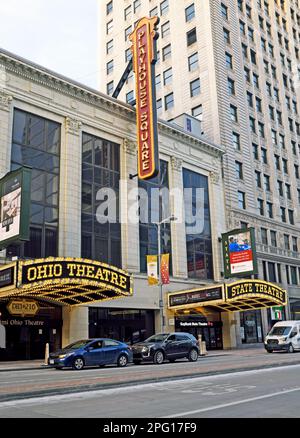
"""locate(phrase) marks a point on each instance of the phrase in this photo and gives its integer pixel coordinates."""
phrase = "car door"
(95, 354)
(294, 335)
(111, 351)
(172, 347)
(184, 344)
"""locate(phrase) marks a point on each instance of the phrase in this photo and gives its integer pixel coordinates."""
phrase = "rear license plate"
(51, 361)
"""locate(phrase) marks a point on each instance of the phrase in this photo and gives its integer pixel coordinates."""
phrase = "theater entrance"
(210, 331)
(25, 337)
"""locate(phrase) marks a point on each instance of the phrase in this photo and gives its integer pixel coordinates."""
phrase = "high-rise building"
(234, 65)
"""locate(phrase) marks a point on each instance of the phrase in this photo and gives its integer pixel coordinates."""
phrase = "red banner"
(164, 269)
(143, 49)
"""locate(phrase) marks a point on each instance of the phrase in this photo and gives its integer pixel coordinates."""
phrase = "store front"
(127, 325)
(213, 303)
(35, 293)
(197, 325)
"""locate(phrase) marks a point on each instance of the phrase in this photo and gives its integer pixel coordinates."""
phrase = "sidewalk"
(40, 365)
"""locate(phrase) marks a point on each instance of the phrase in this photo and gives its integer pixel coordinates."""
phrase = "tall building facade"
(234, 65)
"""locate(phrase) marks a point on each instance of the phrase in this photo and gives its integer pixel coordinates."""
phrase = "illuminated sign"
(239, 253)
(23, 308)
(8, 276)
(253, 288)
(143, 49)
(196, 296)
(15, 190)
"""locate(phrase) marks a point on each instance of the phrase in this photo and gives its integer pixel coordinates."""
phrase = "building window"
(168, 76)
(193, 62)
(128, 31)
(226, 34)
(109, 47)
(154, 12)
(136, 5)
(164, 7)
(169, 101)
(127, 13)
(100, 168)
(261, 208)
(191, 37)
(110, 67)
(228, 59)
(242, 200)
(109, 8)
(264, 236)
(197, 112)
(166, 52)
(128, 55)
(233, 113)
(224, 11)
(165, 29)
(236, 141)
(190, 12)
(195, 87)
(129, 97)
(231, 86)
(109, 27)
(110, 88)
(147, 228)
(239, 170)
(270, 210)
(273, 235)
(199, 245)
(36, 143)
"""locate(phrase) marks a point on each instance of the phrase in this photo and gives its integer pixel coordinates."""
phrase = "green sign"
(239, 253)
(277, 313)
(15, 188)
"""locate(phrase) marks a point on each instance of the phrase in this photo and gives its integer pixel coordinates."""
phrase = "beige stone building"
(233, 65)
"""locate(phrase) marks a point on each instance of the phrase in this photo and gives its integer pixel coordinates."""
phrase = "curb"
(97, 387)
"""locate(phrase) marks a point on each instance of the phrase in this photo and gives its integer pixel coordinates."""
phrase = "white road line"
(226, 405)
(138, 387)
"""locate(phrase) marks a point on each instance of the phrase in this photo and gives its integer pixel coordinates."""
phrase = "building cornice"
(52, 80)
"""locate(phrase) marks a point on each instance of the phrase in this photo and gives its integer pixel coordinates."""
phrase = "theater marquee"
(69, 281)
(143, 49)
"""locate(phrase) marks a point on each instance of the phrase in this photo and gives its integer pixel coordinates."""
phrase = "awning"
(66, 281)
(230, 297)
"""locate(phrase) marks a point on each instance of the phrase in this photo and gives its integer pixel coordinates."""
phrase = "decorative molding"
(5, 101)
(214, 177)
(176, 163)
(129, 147)
(73, 126)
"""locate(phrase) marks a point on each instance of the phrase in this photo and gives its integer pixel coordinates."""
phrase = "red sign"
(143, 48)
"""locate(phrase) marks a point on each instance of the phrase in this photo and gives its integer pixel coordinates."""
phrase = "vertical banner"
(152, 270)
(15, 189)
(164, 269)
(143, 48)
(239, 252)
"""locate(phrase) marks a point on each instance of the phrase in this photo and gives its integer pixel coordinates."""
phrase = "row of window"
(270, 237)
(273, 272)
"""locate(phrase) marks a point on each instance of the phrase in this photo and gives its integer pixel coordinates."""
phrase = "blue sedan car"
(91, 352)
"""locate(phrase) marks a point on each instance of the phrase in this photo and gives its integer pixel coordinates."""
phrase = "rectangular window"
(199, 246)
(191, 37)
(164, 7)
(168, 76)
(190, 13)
(236, 141)
(169, 101)
(224, 11)
(195, 87)
(109, 47)
(165, 29)
(264, 236)
(239, 170)
(109, 8)
(228, 59)
(193, 62)
(166, 52)
(273, 236)
(110, 88)
(233, 113)
(100, 168)
(242, 200)
(231, 87)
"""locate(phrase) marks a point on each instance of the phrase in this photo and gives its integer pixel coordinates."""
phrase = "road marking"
(137, 387)
(226, 405)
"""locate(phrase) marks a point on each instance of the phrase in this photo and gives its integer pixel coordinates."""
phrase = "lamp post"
(161, 301)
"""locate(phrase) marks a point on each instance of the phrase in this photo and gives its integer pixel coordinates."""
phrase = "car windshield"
(77, 344)
(157, 338)
(280, 331)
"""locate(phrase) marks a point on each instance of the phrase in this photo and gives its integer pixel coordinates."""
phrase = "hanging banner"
(143, 48)
(15, 190)
(164, 269)
(152, 270)
(239, 253)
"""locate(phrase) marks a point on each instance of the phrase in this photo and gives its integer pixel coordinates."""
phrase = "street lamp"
(161, 302)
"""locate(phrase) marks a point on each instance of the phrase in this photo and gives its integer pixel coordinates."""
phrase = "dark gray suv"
(170, 346)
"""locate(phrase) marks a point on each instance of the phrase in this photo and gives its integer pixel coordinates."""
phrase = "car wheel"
(193, 355)
(78, 364)
(291, 349)
(270, 351)
(122, 361)
(158, 357)
(137, 362)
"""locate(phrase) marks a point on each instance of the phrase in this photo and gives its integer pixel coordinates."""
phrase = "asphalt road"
(29, 383)
(267, 393)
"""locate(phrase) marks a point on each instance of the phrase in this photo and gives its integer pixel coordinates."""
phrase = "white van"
(284, 335)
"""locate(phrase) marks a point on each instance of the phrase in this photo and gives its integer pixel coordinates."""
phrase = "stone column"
(230, 325)
(70, 190)
(75, 324)
(129, 230)
(178, 235)
(6, 122)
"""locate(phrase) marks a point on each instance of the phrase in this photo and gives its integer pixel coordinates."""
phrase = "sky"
(60, 35)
